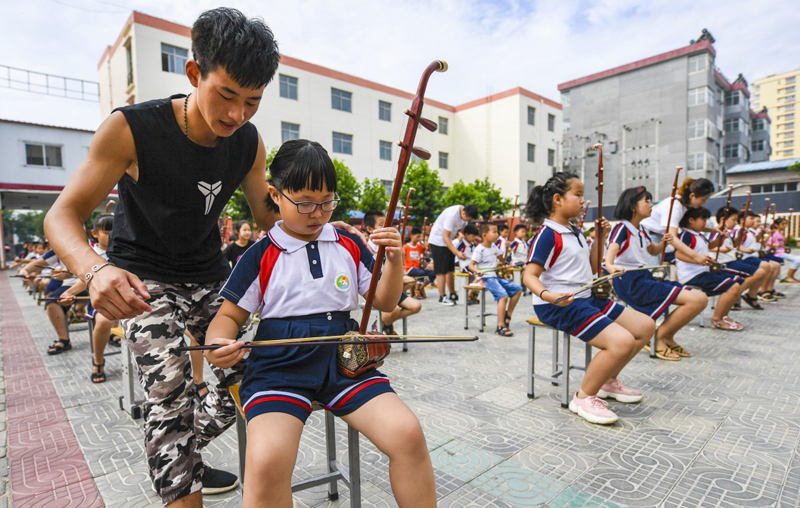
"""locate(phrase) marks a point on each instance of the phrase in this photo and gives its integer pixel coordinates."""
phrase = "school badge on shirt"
(342, 283)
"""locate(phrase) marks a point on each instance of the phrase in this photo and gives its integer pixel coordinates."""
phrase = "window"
(700, 95)
(697, 129)
(565, 126)
(288, 86)
(531, 185)
(731, 151)
(342, 143)
(788, 107)
(551, 122)
(387, 186)
(757, 146)
(341, 100)
(778, 187)
(531, 152)
(384, 111)
(789, 98)
(733, 98)
(789, 134)
(289, 131)
(531, 115)
(444, 126)
(755, 189)
(565, 149)
(759, 124)
(173, 59)
(791, 187)
(788, 143)
(791, 79)
(42, 155)
(551, 157)
(698, 63)
(789, 89)
(443, 160)
(734, 125)
(129, 61)
(788, 152)
(385, 150)
(565, 99)
(696, 161)
(766, 188)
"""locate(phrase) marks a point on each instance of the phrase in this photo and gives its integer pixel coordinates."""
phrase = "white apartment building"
(510, 137)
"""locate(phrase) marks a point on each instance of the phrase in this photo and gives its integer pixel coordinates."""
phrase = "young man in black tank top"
(177, 162)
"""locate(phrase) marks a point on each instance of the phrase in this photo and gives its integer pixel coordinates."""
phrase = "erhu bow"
(405, 216)
(601, 290)
(108, 205)
(583, 215)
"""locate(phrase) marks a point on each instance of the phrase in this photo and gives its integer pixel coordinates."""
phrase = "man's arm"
(255, 189)
(111, 154)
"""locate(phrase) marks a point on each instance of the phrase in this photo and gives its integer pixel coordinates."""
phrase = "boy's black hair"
(520, 226)
(486, 227)
(301, 164)
(471, 211)
(502, 227)
(751, 213)
(471, 229)
(103, 222)
(371, 217)
(590, 229)
(627, 202)
(245, 48)
(416, 231)
(694, 213)
(721, 213)
(540, 200)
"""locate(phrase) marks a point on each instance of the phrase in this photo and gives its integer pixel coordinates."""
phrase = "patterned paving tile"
(462, 460)
(719, 484)
(574, 498)
(472, 497)
(518, 486)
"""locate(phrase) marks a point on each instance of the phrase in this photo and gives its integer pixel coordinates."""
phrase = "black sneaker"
(217, 481)
(454, 297)
(443, 300)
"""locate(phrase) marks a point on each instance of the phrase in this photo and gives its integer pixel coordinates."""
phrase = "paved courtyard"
(719, 429)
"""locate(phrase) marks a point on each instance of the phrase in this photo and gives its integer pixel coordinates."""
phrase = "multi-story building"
(510, 137)
(778, 92)
(672, 109)
(760, 124)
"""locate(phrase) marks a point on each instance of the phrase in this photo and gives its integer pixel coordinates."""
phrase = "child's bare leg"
(272, 443)
(616, 346)
(409, 307)
(690, 305)
(56, 313)
(394, 430)
(501, 311)
(197, 365)
(752, 283)
(725, 302)
(100, 336)
(641, 326)
(512, 304)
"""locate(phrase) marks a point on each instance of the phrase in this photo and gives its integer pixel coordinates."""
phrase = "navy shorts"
(583, 318)
(714, 284)
(642, 292)
(57, 294)
(752, 261)
(773, 257)
(288, 379)
(501, 288)
(740, 267)
(52, 286)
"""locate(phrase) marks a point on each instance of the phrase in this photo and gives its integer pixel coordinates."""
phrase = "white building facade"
(511, 137)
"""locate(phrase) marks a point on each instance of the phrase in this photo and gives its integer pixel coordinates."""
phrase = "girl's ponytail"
(540, 200)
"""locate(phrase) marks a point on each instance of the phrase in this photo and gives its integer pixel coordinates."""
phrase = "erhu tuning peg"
(428, 124)
(421, 153)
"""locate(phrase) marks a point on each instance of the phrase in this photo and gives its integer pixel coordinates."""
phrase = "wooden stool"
(483, 314)
(561, 366)
(351, 477)
(464, 278)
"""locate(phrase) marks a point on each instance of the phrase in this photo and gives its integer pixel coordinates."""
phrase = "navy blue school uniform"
(563, 253)
(693, 274)
(639, 289)
(730, 264)
(302, 289)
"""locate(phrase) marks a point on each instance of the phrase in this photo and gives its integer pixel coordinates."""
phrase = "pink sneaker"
(619, 391)
(592, 410)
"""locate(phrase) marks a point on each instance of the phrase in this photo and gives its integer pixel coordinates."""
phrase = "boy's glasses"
(307, 207)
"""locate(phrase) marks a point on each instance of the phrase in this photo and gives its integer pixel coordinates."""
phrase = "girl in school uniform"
(629, 246)
(698, 274)
(304, 278)
(558, 264)
(691, 194)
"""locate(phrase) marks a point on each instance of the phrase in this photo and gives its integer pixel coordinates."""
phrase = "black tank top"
(165, 224)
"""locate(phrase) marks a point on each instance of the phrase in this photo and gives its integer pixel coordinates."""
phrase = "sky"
(491, 46)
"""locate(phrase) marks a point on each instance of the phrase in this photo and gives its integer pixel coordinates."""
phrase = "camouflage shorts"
(177, 426)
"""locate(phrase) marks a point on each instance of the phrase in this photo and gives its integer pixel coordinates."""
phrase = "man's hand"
(460, 255)
(350, 229)
(114, 293)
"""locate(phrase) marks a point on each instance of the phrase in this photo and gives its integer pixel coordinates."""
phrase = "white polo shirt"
(519, 251)
(657, 222)
(750, 242)
(724, 257)
(486, 257)
(55, 263)
(450, 220)
(280, 276)
(632, 245)
(699, 243)
(501, 244)
(466, 248)
(564, 254)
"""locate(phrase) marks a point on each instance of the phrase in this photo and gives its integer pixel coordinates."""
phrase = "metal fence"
(49, 84)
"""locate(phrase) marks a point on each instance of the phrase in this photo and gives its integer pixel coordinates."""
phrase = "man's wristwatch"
(96, 268)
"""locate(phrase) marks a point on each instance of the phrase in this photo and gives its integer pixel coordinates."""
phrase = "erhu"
(504, 262)
(602, 290)
(661, 274)
(742, 230)
(583, 215)
(762, 251)
(717, 267)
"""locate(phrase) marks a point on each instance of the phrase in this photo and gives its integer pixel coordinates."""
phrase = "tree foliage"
(237, 207)
(28, 226)
(348, 190)
(795, 167)
(482, 193)
(373, 196)
(426, 201)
